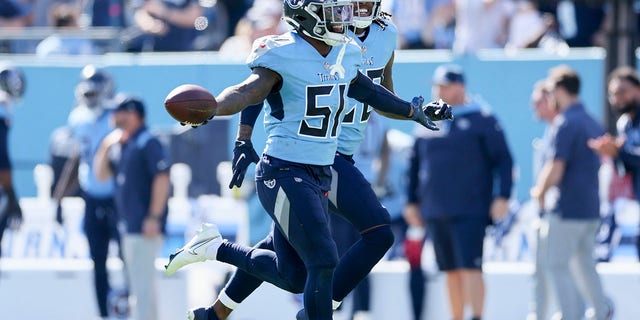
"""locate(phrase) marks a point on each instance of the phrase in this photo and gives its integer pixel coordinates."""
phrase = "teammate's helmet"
(325, 20)
(12, 82)
(363, 16)
(95, 86)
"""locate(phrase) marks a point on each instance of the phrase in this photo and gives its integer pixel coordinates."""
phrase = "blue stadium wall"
(502, 79)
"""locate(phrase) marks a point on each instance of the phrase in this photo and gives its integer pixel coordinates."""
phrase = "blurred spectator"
(90, 122)
(216, 27)
(543, 111)
(14, 14)
(236, 9)
(548, 38)
(163, 25)
(263, 18)
(140, 164)
(410, 18)
(457, 205)
(525, 25)
(579, 21)
(441, 23)
(624, 97)
(64, 17)
(12, 88)
(573, 217)
(42, 11)
(107, 13)
(481, 24)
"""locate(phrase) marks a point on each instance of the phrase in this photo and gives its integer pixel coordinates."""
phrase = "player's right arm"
(252, 90)
(365, 90)
(387, 83)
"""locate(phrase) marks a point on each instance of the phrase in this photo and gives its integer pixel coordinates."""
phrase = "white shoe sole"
(189, 254)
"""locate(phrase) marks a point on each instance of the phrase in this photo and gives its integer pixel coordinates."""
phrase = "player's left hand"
(200, 124)
(419, 116)
(437, 110)
(243, 156)
(13, 211)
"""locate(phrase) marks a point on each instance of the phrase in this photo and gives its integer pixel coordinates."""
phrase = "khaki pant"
(571, 266)
(140, 254)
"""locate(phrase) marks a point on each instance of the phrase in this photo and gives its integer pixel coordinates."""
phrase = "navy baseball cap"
(132, 104)
(448, 74)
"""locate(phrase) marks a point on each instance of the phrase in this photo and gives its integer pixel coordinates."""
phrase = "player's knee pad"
(381, 237)
(322, 274)
(368, 219)
(294, 276)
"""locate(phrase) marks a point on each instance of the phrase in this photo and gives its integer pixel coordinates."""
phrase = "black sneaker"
(202, 314)
(301, 315)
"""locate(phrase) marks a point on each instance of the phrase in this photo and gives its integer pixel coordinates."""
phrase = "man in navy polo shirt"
(574, 216)
(141, 172)
(457, 203)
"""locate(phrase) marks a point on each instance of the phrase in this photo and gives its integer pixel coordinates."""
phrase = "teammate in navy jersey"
(304, 76)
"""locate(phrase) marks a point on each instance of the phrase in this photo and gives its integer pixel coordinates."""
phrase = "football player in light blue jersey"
(90, 122)
(305, 76)
(376, 45)
(377, 38)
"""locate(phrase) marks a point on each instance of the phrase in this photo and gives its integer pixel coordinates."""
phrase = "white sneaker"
(361, 315)
(197, 249)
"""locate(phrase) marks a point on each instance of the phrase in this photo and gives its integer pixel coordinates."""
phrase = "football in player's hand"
(190, 104)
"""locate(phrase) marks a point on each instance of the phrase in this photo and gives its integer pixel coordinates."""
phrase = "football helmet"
(363, 15)
(95, 87)
(325, 20)
(12, 82)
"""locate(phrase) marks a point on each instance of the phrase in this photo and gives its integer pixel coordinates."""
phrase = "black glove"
(11, 210)
(243, 156)
(419, 116)
(437, 110)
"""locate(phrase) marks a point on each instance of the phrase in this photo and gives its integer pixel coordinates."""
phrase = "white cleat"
(196, 250)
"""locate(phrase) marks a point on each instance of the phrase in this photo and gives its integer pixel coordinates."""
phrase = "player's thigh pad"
(353, 198)
(300, 210)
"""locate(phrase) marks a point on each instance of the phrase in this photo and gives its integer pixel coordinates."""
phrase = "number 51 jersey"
(302, 119)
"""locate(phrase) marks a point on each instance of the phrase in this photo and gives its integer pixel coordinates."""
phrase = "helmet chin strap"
(337, 67)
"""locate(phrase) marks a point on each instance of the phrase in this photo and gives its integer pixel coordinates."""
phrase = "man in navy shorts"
(457, 203)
